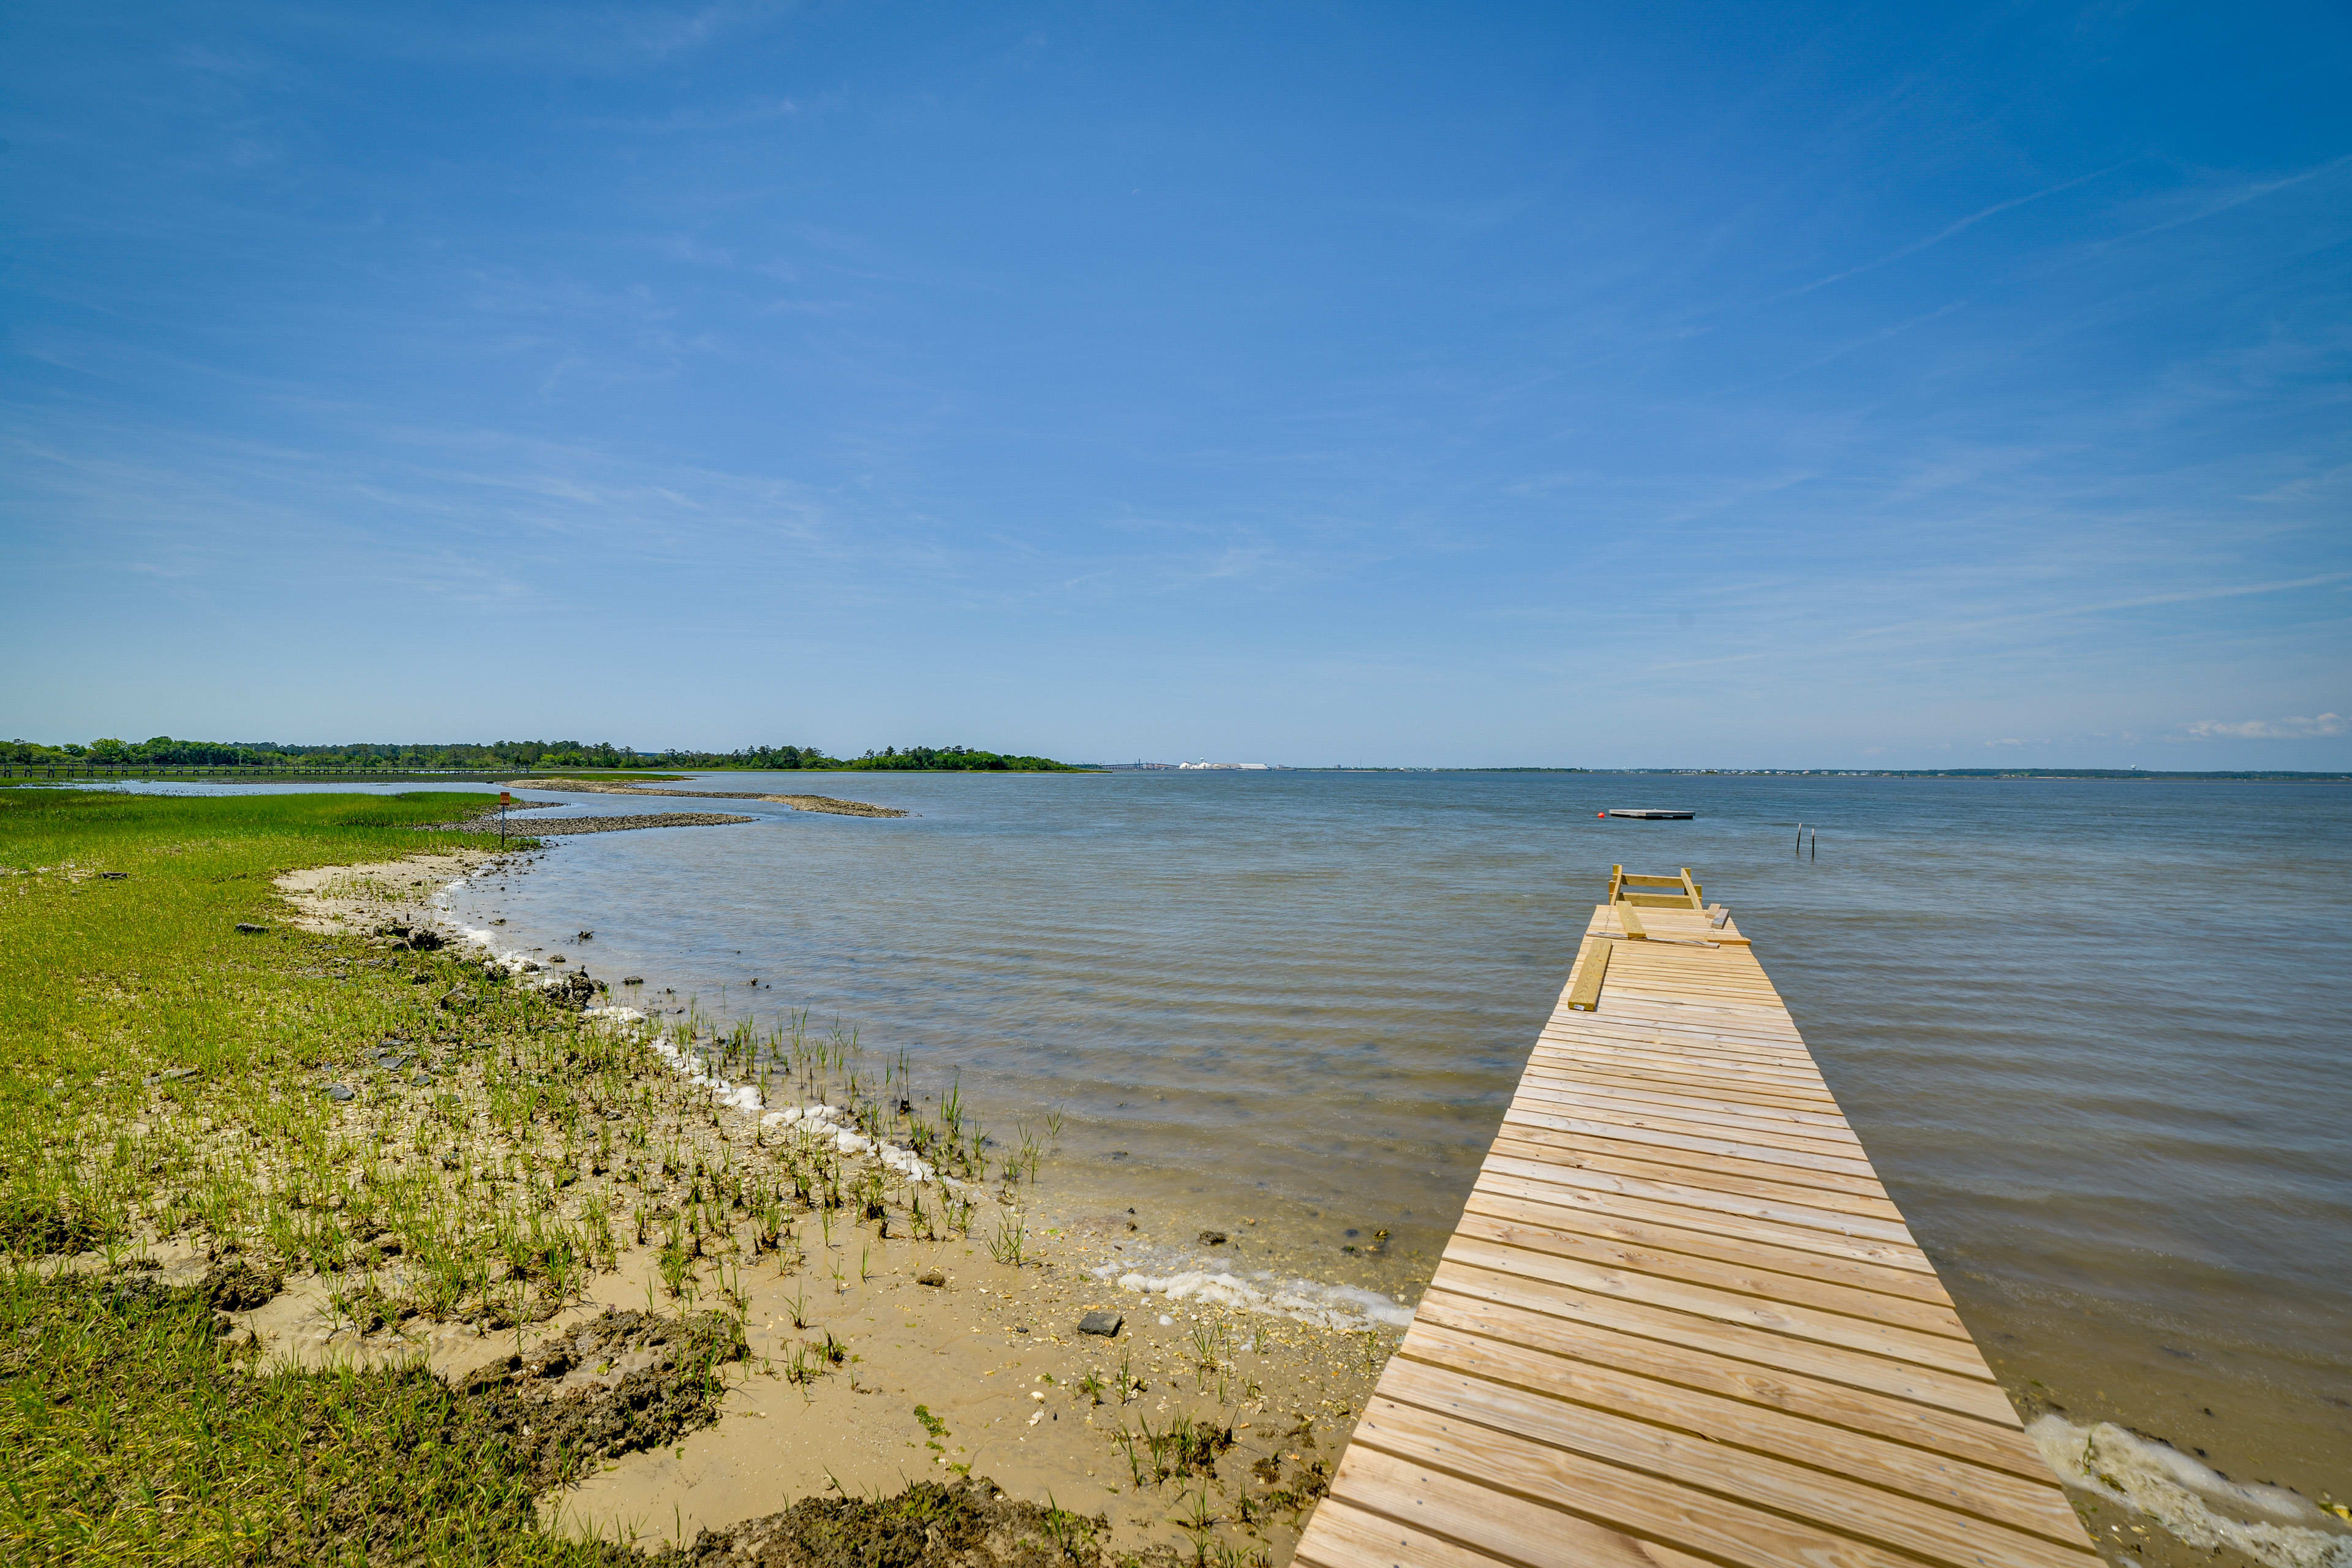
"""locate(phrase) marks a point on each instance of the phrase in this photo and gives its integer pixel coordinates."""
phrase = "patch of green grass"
(161, 1078)
(120, 961)
(165, 1081)
(130, 1432)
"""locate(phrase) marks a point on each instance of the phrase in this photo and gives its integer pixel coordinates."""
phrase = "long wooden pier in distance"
(1680, 1323)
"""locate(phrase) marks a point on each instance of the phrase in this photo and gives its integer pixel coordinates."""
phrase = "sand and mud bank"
(824, 803)
(904, 1320)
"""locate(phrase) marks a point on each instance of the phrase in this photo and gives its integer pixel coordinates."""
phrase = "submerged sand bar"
(825, 803)
(1681, 1320)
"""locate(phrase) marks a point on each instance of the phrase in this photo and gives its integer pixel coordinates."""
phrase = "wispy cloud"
(690, 119)
(2296, 727)
(593, 38)
(1905, 632)
(2235, 196)
(1840, 351)
(1959, 227)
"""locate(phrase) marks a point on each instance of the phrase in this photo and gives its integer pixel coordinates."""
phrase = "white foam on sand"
(810, 1123)
(2189, 1500)
(1349, 1307)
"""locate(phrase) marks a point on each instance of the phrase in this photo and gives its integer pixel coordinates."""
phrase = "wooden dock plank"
(1769, 1284)
(1945, 1479)
(1671, 1145)
(1572, 1147)
(1530, 1141)
(1711, 1468)
(1680, 1074)
(1888, 1278)
(1829, 1403)
(1807, 1121)
(1602, 1198)
(1682, 1322)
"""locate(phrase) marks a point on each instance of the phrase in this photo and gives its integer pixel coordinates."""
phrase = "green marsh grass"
(163, 1076)
(165, 1081)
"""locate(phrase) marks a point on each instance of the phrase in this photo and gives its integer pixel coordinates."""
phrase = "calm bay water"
(2092, 1033)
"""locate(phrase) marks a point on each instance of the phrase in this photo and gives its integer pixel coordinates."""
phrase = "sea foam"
(2189, 1500)
(1346, 1307)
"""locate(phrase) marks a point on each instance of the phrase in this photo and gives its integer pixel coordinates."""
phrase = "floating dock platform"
(1681, 1325)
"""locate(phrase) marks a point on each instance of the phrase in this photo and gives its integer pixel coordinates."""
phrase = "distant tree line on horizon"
(524, 756)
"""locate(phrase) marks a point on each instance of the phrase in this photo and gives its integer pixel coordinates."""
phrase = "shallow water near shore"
(2091, 1032)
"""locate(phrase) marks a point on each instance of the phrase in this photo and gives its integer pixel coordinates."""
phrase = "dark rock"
(586, 936)
(342, 1091)
(572, 990)
(246, 928)
(112, 876)
(565, 1432)
(239, 1287)
(1213, 1238)
(421, 1079)
(632, 980)
(966, 1523)
(930, 1277)
(1107, 1324)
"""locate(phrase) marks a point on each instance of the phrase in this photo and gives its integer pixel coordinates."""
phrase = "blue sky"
(1744, 384)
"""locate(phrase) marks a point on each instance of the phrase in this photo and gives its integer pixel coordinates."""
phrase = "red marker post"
(504, 800)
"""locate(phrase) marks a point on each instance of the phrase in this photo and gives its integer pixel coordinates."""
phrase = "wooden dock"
(1680, 1323)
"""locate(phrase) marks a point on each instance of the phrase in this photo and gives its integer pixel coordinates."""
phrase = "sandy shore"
(566, 827)
(360, 900)
(887, 1344)
(824, 803)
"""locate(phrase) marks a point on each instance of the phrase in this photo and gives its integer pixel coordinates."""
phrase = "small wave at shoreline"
(1346, 1307)
(2189, 1500)
(814, 1123)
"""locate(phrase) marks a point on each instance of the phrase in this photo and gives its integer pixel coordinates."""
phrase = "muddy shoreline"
(960, 1348)
(820, 802)
(569, 827)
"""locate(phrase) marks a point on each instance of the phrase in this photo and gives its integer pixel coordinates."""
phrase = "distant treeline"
(522, 756)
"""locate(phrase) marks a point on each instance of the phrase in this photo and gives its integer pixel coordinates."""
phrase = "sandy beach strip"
(901, 1323)
(551, 827)
(830, 804)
